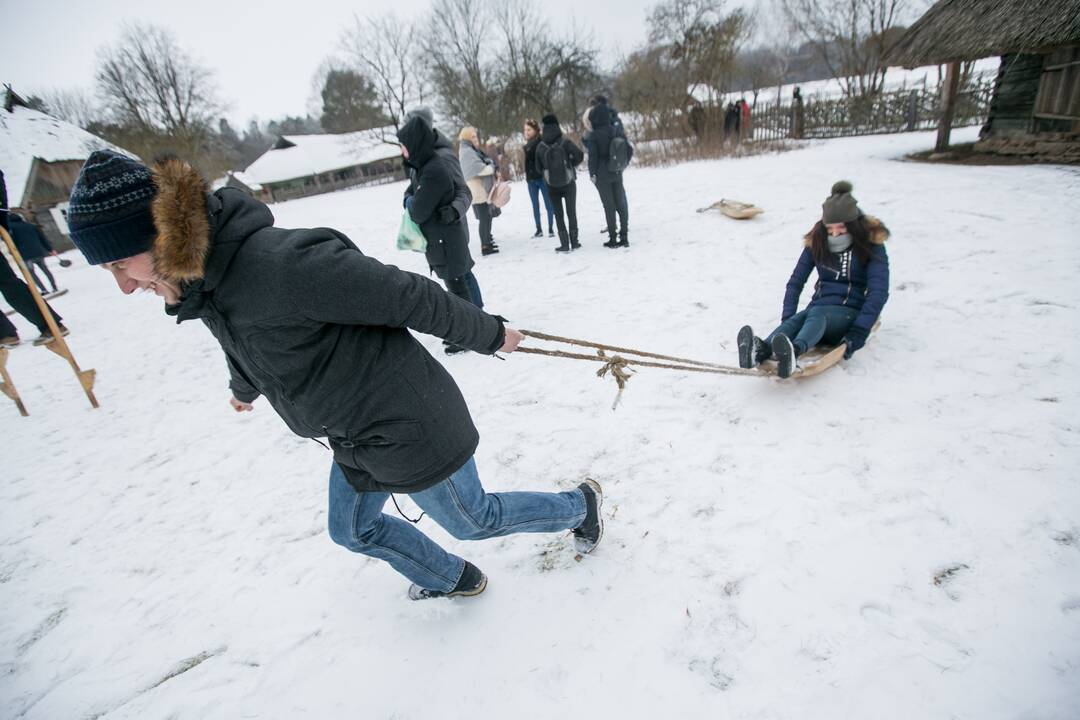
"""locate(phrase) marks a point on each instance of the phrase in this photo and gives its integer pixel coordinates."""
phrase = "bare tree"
(383, 49)
(700, 41)
(76, 106)
(542, 72)
(461, 51)
(149, 83)
(852, 37)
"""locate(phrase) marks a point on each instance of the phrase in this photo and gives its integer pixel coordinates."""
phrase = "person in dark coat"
(34, 247)
(848, 250)
(323, 333)
(557, 158)
(16, 294)
(609, 181)
(534, 180)
(438, 200)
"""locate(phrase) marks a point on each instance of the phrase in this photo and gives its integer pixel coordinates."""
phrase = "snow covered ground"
(898, 538)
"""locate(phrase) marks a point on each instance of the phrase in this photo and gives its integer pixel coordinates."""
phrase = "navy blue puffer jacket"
(844, 280)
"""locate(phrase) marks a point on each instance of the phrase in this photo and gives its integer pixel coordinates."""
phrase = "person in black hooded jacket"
(437, 200)
(322, 331)
(609, 182)
(557, 156)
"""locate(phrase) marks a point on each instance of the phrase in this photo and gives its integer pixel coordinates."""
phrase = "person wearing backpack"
(535, 179)
(556, 158)
(611, 154)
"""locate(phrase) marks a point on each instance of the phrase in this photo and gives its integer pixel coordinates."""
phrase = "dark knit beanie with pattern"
(841, 206)
(109, 213)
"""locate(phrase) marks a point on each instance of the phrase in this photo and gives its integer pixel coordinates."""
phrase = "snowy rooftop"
(240, 176)
(26, 134)
(313, 154)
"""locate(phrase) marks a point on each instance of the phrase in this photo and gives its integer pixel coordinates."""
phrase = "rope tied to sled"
(618, 366)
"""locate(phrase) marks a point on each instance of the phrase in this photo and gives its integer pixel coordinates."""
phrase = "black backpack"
(618, 154)
(558, 172)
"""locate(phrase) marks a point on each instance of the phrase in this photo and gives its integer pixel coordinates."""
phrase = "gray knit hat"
(109, 214)
(841, 206)
(421, 111)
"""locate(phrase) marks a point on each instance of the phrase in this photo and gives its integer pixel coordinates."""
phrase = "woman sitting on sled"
(848, 250)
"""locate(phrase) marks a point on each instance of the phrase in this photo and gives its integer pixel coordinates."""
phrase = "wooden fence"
(889, 112)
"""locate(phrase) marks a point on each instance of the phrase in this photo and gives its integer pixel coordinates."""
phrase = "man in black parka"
(438, 200)
(322, 331)
(609, 182)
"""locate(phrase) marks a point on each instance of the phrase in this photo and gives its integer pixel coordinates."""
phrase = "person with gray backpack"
(557, 156)
(610, 153)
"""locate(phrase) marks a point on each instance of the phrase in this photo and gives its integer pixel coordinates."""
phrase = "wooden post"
(58, 345)
(6, 386)
(948, 106)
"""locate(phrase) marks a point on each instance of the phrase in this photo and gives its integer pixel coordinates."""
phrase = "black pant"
(40, 262)
(560, 197)
(18, 296)
(483, 214)
(613, 197)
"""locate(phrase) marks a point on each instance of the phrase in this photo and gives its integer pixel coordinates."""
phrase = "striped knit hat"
(109, 215)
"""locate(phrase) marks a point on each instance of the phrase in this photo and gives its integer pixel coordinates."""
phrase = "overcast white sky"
(264, 53)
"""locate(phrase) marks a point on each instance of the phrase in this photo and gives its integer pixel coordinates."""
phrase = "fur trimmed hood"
(183, 225)
(199, 232)
(878, 232)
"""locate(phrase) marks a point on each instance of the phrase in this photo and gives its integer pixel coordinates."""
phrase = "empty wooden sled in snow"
(814, 361)
(734, 209)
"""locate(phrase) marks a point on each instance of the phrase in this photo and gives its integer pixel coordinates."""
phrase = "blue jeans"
(467, 288)
(816, 324)
(460, 505)
(539, 187)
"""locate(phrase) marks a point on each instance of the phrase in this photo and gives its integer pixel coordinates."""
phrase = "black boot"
(623, 241)
(486, 249)
(564, 243)
(612, 242)
(784, 352)
(587, 535)
(539, 233)
(752, 350)
(472, 582)
(574, 244)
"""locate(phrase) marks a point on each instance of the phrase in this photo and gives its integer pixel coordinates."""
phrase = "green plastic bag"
(409, 236)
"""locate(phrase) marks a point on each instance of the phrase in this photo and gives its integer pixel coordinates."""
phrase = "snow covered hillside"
(897, 538)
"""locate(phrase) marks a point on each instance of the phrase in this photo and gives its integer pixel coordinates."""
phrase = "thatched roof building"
(959, 30)
(1036, 106)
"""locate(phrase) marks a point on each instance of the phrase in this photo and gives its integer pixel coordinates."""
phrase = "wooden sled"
(734, 209)
(815, 361)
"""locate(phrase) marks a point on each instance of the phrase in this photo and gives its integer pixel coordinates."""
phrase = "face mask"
(839, 243)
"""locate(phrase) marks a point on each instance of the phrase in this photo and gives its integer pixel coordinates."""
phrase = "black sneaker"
(489, 249)
(452, 349)
(784, 352)
(539, 233)
(551, 233)
(752, 350)
(575, 245)
(472, 582)
(587, 536)
(611, 244)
